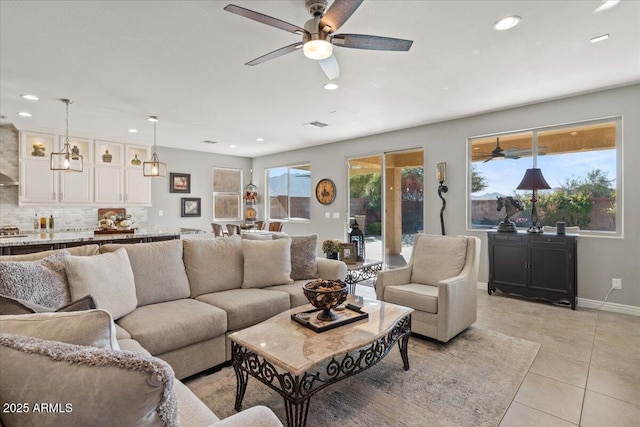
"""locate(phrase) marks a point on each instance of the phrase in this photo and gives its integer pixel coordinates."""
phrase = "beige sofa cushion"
(108, 278)
(158, 270)
(266, 263)
(213, 265)
(296, 296)
(246, 307)
(428, 253)
(43, 281)
(303, 256)
(418, 297)
(92, 327)
(84, 250)
(171, 325)
(92, 386)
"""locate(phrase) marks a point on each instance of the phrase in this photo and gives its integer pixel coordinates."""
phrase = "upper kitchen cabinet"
(41, 185)
(112, 172)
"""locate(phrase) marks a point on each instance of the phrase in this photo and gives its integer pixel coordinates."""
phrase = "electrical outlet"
(160, 212)
(616, 283)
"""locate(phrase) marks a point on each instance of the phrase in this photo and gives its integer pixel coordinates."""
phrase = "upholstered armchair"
(439, 283)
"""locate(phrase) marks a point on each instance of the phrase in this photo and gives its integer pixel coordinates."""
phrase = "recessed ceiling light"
(132, 130)
(506, 23)
(30, 97)
(152, 119)
(24, 114)
(233, 146)
(599, 38)
(331, 86)
(606, 5)
(259, 139)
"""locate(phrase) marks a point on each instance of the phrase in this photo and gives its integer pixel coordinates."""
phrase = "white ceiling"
(121, 61)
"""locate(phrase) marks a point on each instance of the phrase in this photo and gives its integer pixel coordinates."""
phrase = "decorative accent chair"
(217, 230)
(275, 226)
(439, 283)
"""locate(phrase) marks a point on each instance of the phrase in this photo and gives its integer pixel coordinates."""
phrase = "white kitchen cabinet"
(109, 184)
(39, 184)
(112, 172)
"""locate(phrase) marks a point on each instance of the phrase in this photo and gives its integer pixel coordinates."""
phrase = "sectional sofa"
(172, 304)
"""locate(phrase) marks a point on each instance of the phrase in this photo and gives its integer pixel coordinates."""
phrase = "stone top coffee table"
(297, 362)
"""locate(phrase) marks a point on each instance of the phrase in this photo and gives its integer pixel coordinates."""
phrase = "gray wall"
(200, 166)
(599, 258)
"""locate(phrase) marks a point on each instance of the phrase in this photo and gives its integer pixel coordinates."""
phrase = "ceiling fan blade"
(362, 41)
(276, 53)
(264, 19)
(338, 13)
(330, 67)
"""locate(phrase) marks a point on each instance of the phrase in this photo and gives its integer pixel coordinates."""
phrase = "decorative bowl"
(326, 294)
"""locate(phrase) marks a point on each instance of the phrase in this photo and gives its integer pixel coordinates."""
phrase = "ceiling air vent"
(317, 124)
(208, 141)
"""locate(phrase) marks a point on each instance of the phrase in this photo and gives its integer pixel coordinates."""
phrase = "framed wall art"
(180, 183)
(191, 207)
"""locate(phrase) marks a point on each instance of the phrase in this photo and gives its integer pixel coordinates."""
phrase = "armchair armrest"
(457, 296)
(398, 276)
(331, 269)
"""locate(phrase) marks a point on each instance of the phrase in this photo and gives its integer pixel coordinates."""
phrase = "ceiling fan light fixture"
(317, 49)
(507, 23)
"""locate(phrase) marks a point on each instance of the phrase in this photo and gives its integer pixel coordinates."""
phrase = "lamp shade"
(533, 180)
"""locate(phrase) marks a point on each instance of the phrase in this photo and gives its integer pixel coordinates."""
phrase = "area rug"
(469, 381)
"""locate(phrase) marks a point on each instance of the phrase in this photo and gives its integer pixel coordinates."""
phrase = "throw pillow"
(43, 282)
(257, 236)
(303, 256)
(89, 386)
(266, 263)
(107, 277)
(213, 265)
(18, 306)
(92, 327)
(437, 258)
(158, 270)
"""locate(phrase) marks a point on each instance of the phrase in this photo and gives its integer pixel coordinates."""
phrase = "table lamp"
(533, 180)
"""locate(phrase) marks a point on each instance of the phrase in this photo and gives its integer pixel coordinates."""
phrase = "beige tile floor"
(587, 371)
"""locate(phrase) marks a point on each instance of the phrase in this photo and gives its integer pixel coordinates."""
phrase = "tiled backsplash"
(66, 218)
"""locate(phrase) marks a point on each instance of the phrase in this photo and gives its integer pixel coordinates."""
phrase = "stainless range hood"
(5, 181)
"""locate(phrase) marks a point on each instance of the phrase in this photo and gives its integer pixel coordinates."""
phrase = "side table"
(361, 271)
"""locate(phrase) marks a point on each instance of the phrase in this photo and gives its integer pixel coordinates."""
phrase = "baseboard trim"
(609, 306)
(595, 304)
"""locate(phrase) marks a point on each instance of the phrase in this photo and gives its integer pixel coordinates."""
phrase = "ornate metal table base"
(298, 389)
(358, 274)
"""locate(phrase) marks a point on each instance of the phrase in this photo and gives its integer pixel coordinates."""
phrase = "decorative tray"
(116, 231)
(348, 315)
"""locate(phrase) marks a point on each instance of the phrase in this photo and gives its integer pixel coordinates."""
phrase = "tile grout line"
(586, 383)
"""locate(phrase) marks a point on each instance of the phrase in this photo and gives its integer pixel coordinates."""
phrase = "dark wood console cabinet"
(534, 265)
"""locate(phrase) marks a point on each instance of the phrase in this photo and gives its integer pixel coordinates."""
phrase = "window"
(289, 192)
(579, 162)
(227, 191)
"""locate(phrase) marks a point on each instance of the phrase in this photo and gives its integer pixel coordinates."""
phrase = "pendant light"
(154, 167)
(66, 160)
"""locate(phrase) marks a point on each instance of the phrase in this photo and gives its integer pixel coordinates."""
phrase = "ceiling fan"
(318, 34)
(499, 153)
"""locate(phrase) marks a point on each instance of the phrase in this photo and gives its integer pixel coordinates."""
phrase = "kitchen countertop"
(82, 236)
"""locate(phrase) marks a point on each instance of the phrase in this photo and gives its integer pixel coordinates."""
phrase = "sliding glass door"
(388, 203)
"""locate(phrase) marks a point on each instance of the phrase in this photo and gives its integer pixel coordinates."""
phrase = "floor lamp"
(533, 180)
